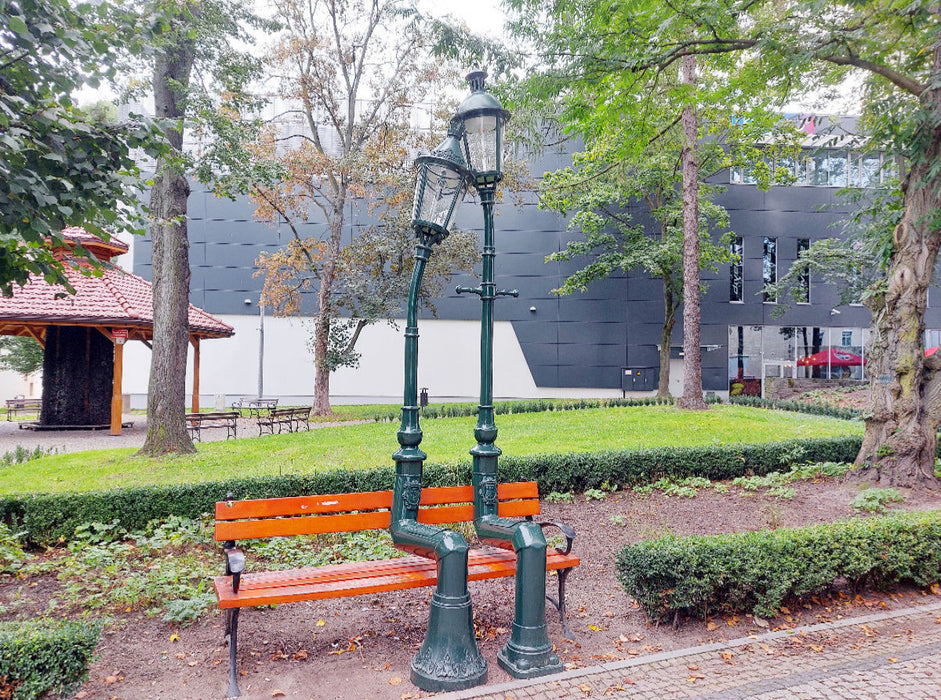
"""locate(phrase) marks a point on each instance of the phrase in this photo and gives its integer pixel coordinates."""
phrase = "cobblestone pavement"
(884, 656)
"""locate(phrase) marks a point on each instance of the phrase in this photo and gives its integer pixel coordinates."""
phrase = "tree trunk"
(166, 400)
(692, 363)
(325, 307)
(666, 338)
(900, 442)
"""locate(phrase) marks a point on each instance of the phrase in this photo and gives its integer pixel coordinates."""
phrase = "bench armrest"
(567, 530)
(234, 565)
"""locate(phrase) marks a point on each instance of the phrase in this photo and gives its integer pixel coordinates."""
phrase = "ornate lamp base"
(522, 660)
(449, 658)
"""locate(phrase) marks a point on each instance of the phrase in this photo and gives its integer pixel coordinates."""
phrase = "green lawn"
(446, 440)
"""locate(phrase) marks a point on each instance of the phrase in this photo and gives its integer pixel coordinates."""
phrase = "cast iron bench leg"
(231, 636)
(560, 604)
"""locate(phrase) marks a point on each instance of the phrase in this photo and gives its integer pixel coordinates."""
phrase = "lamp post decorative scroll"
(448, 658)
(528, 653)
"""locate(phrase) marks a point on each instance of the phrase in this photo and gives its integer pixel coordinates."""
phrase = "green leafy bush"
(798, 406)
(757, 571)
(460, 410)
(51, 518)
(876, 500)
(41, 656)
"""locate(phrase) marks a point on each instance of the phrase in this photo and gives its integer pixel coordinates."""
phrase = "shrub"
(38, 657)
(52, 518)
(757, 571)
(798, 406)
(876, 500)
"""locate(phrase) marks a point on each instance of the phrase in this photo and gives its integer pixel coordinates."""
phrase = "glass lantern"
(483, 119)
(439, 188)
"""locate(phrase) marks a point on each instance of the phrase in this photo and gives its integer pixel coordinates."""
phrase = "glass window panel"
(838, 169)
(736, 281)
(769, 266)
(803, 282)
(818, 170)
(869, 170)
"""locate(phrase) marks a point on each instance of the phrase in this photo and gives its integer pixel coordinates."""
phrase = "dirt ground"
(361, 647)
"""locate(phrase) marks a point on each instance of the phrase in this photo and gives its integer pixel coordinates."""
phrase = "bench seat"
(361, 578)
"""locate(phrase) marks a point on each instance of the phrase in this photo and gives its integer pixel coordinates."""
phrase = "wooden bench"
(15, 406)
(308, 515)
(195, 422)
(290, 418)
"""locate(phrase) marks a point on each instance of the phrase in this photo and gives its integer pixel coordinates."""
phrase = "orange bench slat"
(360, 578)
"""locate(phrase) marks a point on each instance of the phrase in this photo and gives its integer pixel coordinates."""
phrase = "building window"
(736, 281)
(846, 339)
(803, 282)
(769, 267)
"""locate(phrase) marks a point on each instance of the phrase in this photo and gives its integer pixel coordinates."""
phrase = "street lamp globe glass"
(437, 190)
(483, 143)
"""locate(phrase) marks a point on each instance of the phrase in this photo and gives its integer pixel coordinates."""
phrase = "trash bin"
(423, 397)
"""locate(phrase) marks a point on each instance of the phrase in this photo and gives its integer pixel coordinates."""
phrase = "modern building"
(599, 343)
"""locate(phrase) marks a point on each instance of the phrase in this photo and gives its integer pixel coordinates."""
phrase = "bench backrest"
(349, 512)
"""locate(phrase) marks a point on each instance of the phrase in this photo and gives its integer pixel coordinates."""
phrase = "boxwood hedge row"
(758, 571)
(51, 518)
(43, 656)
(798, 406)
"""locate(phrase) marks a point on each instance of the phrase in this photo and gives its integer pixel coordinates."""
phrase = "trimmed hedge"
(797, 406)
(461, 410)
(42, 656)
(51, 518)
(758, 571)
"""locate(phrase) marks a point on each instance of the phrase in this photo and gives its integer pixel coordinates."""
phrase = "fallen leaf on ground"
(278, 693)
(727, 656)
(760, 622)
(693, 677)
(301, 654)
(693, 667)
(585, 688)
(395, 681)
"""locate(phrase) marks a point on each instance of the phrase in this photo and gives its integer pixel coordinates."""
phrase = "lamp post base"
(528, 661)
(449, 658)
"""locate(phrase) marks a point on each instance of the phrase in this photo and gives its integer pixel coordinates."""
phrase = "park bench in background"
(20, 405)
(290, 419)
(195, 422)
(350, 512)
(255, 407)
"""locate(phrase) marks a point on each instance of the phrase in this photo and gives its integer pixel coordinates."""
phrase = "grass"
(446, 440)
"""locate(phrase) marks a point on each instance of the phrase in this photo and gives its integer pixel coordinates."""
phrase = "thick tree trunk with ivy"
(692, 362)
(900, 441)
(166, 398)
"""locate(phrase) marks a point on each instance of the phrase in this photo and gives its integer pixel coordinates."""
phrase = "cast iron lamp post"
(528, 653)
(449, 658)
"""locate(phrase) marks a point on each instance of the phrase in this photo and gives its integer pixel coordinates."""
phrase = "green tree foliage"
(60, 166)
(19, 354)
(632, 106)
(601, 198)
(353, 74)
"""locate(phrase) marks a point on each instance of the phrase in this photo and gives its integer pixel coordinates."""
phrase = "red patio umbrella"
(834, 357)
(931, 351)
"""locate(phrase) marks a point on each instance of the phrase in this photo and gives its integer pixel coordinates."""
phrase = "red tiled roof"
(117, 298)
(102, 249)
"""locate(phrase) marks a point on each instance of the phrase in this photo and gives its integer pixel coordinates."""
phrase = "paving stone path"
(883, 656)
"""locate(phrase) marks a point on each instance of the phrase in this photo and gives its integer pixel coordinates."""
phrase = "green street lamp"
(528, 653)
(448, 658)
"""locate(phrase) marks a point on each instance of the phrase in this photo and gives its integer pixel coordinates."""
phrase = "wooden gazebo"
(117, 305)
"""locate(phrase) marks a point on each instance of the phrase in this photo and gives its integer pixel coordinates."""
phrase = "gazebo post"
(117, 402)
(195, 341)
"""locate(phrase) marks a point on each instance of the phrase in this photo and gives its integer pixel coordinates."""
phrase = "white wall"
(448, 364)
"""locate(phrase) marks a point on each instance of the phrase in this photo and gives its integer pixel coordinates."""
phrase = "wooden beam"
(117, 401)
(41, 338)
(195, 341)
